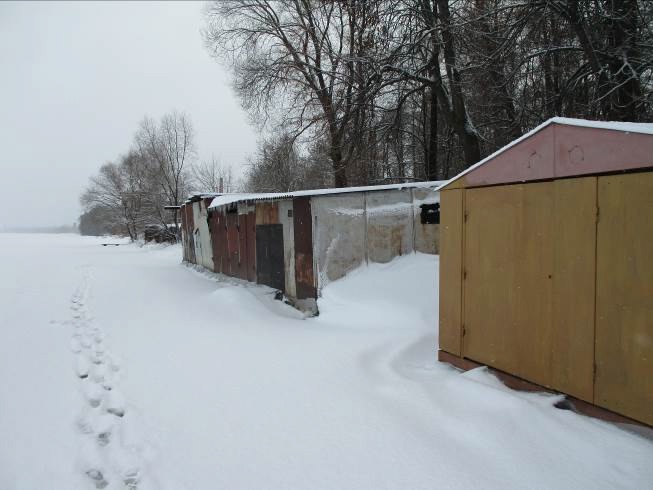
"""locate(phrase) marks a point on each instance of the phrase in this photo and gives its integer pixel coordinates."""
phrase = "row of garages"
(546, 256)
(298, 242)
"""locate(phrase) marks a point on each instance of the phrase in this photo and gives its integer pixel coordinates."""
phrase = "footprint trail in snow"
(110, 456)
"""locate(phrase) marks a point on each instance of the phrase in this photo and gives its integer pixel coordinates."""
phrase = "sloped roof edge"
(628, 127)
(232, 198)
(198, 196)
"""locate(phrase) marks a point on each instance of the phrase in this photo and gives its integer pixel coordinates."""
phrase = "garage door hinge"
(464, 274)
(597, 213)
(465, 217)
(464, 330)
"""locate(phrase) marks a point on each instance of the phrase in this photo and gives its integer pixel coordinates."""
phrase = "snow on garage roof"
(232, 198)
(196, 196)
(626, 127)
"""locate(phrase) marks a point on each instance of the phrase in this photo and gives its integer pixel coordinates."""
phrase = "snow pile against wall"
(398, 294)
(358, 228)
(338, 235)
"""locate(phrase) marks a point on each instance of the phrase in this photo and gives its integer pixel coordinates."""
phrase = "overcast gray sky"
(76, 80)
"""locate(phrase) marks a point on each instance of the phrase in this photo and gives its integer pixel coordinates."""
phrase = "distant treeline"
(40, 229)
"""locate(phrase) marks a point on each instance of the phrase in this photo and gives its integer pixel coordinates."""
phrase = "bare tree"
(117, 192)
(212, 176)
(169, 147)
(614, 36)
(131, 193)
(278, 166)
(298, 60)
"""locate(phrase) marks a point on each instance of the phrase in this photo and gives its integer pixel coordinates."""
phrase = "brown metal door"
(191, 233)
(224, 254)
(220, 244)
(184, 236)
(232, 244)
(251, 246)
(303, 235)
(214, 226)
(242, 246)
(624, 301)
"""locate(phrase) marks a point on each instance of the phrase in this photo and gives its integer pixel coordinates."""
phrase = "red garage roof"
(563, 147)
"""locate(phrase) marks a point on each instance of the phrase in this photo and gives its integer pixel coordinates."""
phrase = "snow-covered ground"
(122, 368)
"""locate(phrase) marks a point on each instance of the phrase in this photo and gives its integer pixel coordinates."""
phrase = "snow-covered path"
(216, 385)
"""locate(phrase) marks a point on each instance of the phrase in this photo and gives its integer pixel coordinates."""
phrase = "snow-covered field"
(122, 368)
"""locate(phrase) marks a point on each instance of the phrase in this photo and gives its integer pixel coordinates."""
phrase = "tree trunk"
(339, 166)
(622, 44)
(432, 163)
(459, 117)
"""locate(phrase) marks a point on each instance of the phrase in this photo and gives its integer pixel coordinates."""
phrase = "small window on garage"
(430, 214)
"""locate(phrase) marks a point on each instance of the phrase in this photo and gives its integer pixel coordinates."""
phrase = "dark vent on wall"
(430, 214)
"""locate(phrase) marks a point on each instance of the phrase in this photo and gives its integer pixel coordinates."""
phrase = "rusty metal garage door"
(251, 246)
(269, 256)
(303, 230)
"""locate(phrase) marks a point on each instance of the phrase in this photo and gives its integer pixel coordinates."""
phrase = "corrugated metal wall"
(217, 225)
(288, 227)
(184, 233)
(188, 233)
(201, 234)
(250, 224)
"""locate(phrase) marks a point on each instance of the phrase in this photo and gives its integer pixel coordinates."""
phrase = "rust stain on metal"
(216, 228)
(267, 213)
(232, 244)
(242, 246)
(251, 246)
(269, 256)
(303, 236)
(190, 233)
(233, 240)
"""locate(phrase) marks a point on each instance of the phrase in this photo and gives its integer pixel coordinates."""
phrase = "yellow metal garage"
(547, 265)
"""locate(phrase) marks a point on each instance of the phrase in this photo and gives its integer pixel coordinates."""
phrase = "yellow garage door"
(529, 269)
(624, 306)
